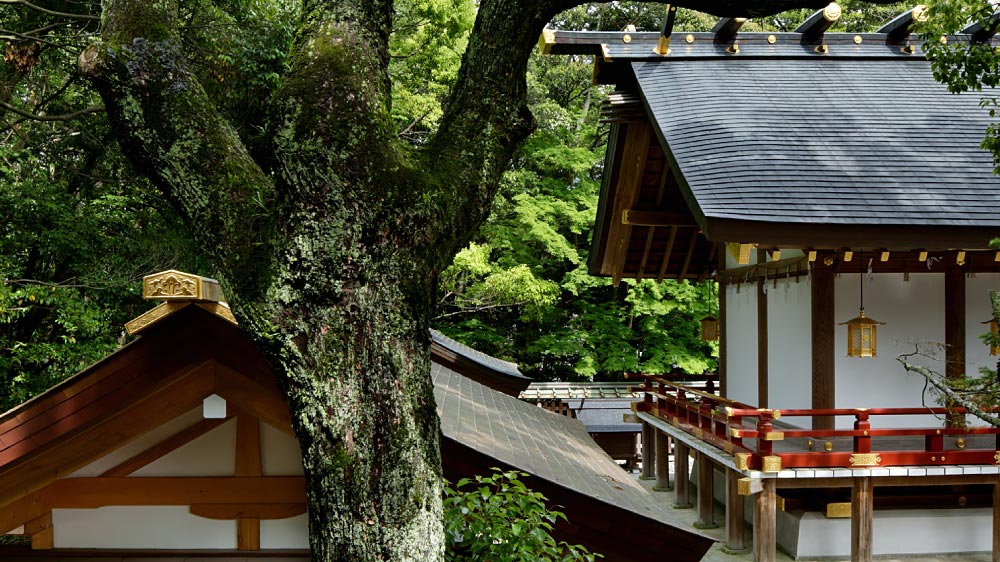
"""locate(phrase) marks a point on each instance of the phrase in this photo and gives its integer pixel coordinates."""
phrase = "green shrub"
(498, 519)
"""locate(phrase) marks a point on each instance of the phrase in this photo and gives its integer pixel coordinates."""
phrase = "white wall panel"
(741, 343)
(285, 533)
(789, 320)
(164, 527)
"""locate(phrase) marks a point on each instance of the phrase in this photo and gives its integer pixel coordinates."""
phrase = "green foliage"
(426, 46)
(498, 519)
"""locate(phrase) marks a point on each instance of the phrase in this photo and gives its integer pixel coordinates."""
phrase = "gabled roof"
(609, 511)
(495, 373)
(782, 140)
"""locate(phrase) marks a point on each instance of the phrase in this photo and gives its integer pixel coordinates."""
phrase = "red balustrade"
(750, 434)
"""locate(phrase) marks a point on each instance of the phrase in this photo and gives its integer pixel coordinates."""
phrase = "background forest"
(79, 229)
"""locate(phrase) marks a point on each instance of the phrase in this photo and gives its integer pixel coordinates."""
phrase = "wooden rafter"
(172, 443)
(687, 257)
(666, 253)
(664, 174)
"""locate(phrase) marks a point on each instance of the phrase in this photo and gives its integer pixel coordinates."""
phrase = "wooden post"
(706, 493)
(662, 463)
(648, 447)
(41, 532)
(734, 514)
(681, 475)
(954, 333)
(823, 343)
(762, 384)
(723, 384)
(862, 515)
(996, 522)
(248, 463)
(764, 523)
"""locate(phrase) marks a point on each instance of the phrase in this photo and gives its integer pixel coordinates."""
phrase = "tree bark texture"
(329, 242)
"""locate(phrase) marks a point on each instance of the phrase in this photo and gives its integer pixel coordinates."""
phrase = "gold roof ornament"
(179, 290)
(862, 331)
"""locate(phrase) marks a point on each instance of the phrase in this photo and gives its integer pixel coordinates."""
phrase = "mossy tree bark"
(329, 245)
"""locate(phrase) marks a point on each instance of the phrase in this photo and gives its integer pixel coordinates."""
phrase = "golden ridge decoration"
(865, 459)
(172, 285)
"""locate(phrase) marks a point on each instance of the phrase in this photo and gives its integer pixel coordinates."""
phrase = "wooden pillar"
(723, 385)
(954, 331)
(823, 343)
(681, 475)
(648, 451)
(996, 522)
(662, 462)
(706, 493)
(761, 335)
(764, 522)
(248, 463)
(862, 515)
(41, 532)
(734, 513)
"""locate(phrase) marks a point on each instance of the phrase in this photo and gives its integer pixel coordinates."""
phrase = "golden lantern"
(710, 324)
(862, 331)
(994, 341)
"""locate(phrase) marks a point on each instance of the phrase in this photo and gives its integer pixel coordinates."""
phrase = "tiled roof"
(823, 140)
(549, 446)
(499, 365)
(545, 390)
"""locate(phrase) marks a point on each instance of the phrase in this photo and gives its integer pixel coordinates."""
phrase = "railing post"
(765, 448)
(735, 422)
(862, 443)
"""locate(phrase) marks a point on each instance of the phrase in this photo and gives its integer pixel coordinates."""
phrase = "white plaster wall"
(741, 343)
(914, 314)
(895, 532)
(162, 527)
(977, 311)
(285, 533)
(212, 454)
(280, 452)
(144, 442)
(789, 368)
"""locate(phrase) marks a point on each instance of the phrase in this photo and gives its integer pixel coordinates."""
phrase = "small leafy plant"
(498, 519)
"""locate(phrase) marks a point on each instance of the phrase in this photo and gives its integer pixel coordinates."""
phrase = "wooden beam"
(762, 358)
(662, 462)
(645, 253)
(230, 511)
(264, 403)
(687, 257)
(671, 238)
(172, 443)
(92, 493)
(723, 340)
(22, 510)
(954, 333)
(636, 217)
(823, 343)
(862, 517)
(177, 395)
(735, 528)
(247, 464)
(40, 530)
(682, 475)
(764, 523)
(633, 166)
(706, 496)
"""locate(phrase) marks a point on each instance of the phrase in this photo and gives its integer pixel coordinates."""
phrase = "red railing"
(749, 433)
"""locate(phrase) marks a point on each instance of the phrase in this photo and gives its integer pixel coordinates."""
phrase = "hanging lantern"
(862, 331)
(994, 337)
(710, 324)
(709, 328)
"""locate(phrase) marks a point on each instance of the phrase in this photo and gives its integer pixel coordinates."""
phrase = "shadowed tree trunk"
(329, 245)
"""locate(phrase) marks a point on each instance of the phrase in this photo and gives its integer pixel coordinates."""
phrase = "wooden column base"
(681, 475)
(662, 462)
(764, 523)
(648, 451)
(735, 528)
(706, 493)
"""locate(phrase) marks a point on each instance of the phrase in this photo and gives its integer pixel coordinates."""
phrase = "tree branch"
(935, 380)
(67, 15)
(63, 117)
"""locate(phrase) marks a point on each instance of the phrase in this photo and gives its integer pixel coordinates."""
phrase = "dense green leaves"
(497, 518)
